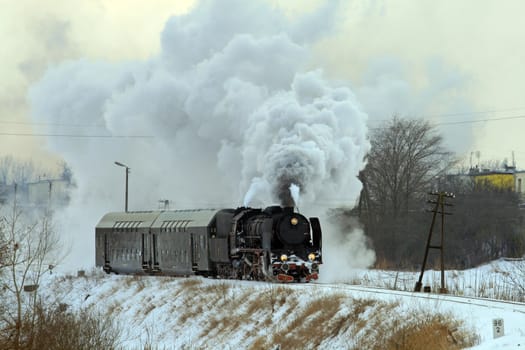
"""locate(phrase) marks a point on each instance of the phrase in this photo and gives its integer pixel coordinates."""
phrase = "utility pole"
(438, 209)
(127, 172)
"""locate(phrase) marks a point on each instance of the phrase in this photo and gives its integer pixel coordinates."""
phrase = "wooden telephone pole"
(438, 209)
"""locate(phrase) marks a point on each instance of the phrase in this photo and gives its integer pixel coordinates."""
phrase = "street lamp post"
(127, 172)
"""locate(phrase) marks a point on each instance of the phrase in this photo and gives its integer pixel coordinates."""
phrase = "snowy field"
(502, 279)
(198, 313)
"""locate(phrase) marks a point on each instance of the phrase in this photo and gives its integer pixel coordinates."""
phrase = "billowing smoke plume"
(227, 114)
(312, 136)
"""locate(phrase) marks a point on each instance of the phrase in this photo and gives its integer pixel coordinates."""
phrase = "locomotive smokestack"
(285, 198)
(288, 192)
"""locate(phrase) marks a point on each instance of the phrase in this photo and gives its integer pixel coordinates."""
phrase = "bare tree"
(406, 158)
(13, 170)
(514, 277)
(66, 172)
(29, 247)
(6, 165)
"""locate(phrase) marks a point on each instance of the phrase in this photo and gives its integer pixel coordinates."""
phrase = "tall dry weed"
(432, 332)
(60, 329)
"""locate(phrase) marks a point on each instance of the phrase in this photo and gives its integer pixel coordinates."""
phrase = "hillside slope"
(198, 313)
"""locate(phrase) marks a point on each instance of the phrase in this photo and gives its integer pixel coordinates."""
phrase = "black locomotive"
(275, 243)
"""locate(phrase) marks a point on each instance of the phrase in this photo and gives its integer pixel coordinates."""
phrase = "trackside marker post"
(498, 328)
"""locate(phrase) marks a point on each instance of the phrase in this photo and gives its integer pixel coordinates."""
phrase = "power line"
(471, 121)
(477, 112)
(457, 114)
(54, 124)
(481, 120)
(78, 135)
(445, 115)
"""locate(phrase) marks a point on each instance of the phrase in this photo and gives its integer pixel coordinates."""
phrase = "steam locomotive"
(273, 244)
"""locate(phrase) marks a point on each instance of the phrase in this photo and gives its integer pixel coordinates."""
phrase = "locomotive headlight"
(294, 221)
(284, 257)
(311, 256)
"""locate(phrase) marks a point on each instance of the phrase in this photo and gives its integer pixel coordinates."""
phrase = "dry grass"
(269, 300)
(114, 308)
(366, 324)
(197, 298)
(259, 343)
(148, 308)
(189, 283)
(312, 324)
(432, 331)
(420, 330)
(217, 292)
(136, 281)
(60, 329)
(185, 286)
(276, 315)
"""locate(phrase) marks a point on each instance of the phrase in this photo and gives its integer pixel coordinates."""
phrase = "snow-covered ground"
(478, 313)
(501, 279)
(177, 313)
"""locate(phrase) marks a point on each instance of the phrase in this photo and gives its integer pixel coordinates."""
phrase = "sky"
(449, 62)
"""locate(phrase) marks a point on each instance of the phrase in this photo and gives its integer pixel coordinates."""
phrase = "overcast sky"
(446, 61)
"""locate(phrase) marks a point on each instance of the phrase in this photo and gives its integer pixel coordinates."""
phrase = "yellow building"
(499, 180)
(508, 179)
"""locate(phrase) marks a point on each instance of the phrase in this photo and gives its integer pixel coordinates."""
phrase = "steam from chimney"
(294, 192)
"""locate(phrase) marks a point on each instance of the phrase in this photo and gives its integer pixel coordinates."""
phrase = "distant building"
(509, 179)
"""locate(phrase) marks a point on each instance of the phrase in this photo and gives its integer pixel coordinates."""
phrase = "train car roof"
(192, 217)
(136, 218)
(157, 218)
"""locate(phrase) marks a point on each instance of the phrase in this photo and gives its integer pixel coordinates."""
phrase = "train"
(265, 244)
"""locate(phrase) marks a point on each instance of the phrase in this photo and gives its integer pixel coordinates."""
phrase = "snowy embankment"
(176, 313)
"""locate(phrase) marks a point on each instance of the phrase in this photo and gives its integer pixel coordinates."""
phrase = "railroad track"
(474, 301)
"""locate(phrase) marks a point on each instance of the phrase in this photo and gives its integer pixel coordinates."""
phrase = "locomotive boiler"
(275, 243)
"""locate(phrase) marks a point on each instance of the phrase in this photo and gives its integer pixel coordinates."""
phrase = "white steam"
(313, 135)
(294, 192)
(226, 112)
(344, 254)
